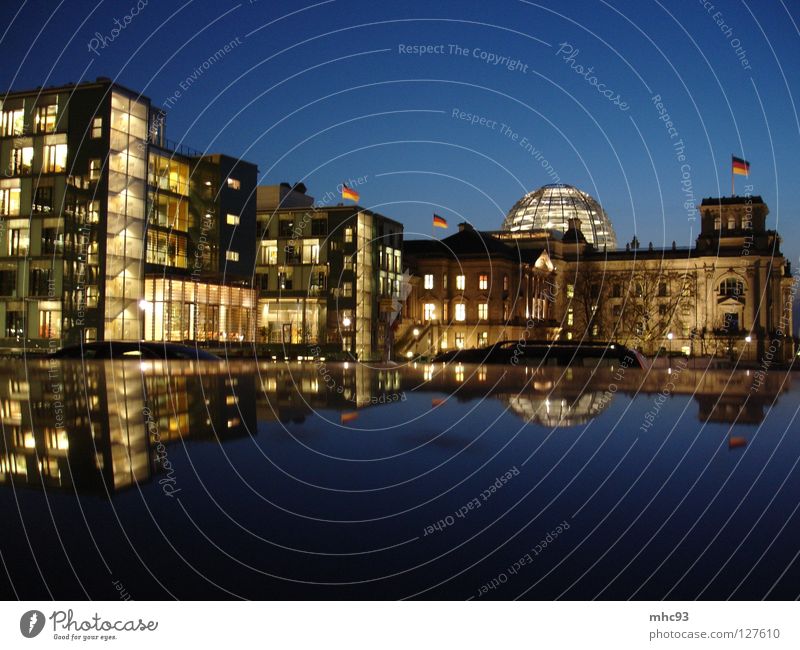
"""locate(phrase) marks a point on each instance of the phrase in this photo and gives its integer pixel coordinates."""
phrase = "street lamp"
(346, 321)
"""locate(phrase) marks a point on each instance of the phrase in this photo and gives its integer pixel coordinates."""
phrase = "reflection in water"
(101, 427)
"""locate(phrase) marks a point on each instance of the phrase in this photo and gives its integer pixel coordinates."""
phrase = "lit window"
(570, 316)
(45, 119)
(269, 252)
(483, 339)
(483, 282)
(505, 283)
(347, 289)
(443, 344)
(232, 220)
(428, 281)
(460, 282)
(429, 311)
(483, 311)
(311, 251)
(234, 183)
(97, 127)
(55, 158)
(731, 223)
(21, 161)
(95, 166)
(13, 122)
(461, 312)
(232, 256)
(9, 201)
(460, 340)
(570, 291)
(348, 235)
(444, 281)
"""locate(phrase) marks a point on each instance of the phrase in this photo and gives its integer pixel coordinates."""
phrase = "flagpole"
(733, 189)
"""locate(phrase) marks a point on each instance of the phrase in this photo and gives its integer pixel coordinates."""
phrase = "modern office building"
(106, 234)
(326, 275)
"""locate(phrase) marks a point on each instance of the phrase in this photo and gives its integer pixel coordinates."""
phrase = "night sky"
(330, 91)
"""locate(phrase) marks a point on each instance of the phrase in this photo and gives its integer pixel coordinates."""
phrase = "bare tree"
(652, 304)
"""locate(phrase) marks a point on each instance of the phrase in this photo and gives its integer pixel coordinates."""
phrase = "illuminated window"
(483, 282)
(428, 284)
(49, 324)
(570, 316)
(45, 119)
(483, 311)
(506, 311)
(311, 251)
(443, 344)
(95, 166)
(731, 223)
(429, 311)
(570, 291)
(460, 340)
(97, 127)
(55, 158)
(232, 256)
(9, 201)
(232, 220)
(348, 235)
(460, 282)
(483, 339)
(461, 311)
(269, 252)
(444, 311)
(21, 160)
(234, 183)
(18, 239)
(505, 283)
(13, 122)
(94, 211)
(347, 289)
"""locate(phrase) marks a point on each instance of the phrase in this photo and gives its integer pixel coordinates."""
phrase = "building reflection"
(97, 427)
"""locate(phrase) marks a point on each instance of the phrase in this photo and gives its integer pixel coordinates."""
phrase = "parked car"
(556, 353)
(133, 350)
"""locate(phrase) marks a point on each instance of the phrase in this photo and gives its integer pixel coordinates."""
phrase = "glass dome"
(550, 208)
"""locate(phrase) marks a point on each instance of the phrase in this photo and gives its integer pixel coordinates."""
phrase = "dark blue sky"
(321, 92)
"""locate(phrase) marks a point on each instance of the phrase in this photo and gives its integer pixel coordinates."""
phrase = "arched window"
(731, 288)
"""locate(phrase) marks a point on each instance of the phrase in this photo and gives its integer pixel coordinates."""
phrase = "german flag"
(740, 166)
(350, 194)
(439, 222)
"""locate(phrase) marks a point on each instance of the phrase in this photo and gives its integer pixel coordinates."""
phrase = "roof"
(731, 200)
(467, 243)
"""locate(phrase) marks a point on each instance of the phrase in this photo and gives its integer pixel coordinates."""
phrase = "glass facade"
(552, 206)
(177, 309)
(125, 221)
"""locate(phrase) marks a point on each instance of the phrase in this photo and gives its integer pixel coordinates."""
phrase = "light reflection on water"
(330, 475)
